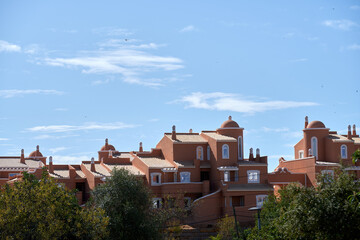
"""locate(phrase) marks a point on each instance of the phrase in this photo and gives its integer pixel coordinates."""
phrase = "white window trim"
(341, 152)
(155, 200)
(301, 152)
(228, 151)
(208, 153)
(240, 148)
(263, 197)
(182, 173)
(202, 153)
(316, 147)
(152, 179)
(226, 176)
(257, 173)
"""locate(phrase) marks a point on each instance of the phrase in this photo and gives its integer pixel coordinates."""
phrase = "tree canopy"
(128, 203)
(324, 212)
(43, 209)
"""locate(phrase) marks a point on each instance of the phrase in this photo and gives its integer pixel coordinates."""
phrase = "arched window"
(314, 147)
(343, 151)
(199, 153)
(208, 153)
(225, 151)
(240, 148)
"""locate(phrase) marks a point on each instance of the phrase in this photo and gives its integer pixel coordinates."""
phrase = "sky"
(73, 73)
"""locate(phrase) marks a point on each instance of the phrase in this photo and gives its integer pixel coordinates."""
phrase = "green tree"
(128, 203)
(323, 212)
(356, 156)
(43, 209)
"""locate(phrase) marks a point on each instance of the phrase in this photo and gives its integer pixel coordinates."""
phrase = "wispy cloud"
(4, 139)
(343, 24)
(355, 7)
(188, 28)
(57, 149)
(47, 136)
(130, 63)
(101, 82)
(20, 92)
(9, 47)
(299, 60)
(232, 102)
(112, 31)
(266, 129)
(84, 127)
(353, 47)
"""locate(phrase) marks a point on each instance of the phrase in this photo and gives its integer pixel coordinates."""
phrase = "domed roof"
(36, 153)
(316, 124)
(107, 146)
(229, 124)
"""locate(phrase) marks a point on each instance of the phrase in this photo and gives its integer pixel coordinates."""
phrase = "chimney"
(22, 157)
(354, 130)
(93, 164)
(141, 147)
(258, 155)
(37, 148)
(173, 134)
(106, 143)
(51, 167)
(349, 132)
(190, 130)
(251, 155)
(306, 121)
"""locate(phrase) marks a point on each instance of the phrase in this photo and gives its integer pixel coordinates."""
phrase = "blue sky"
(73, 73)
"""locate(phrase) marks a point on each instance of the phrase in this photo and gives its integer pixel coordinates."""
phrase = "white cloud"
(231, 102)
(8, 47)
(340, 24)
(47, 136)
(131, 64)
(112, 31)
(355, 7)
(59, 159)
(84, 127)
(19, 92)
(4, 139)
(101, 82)
(266, 129)
(57, 149)
(353, 47)
(189, 28)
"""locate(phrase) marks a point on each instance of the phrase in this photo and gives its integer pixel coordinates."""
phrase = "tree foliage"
(356, 156)
(42, 209)
(323, 212)
(128, 203)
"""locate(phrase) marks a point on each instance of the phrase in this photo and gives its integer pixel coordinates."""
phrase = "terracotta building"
(319, 151)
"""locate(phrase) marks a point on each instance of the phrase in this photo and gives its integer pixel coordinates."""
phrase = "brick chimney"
(251, 155)
(190, 130)
(51, 167)
(257, 155)
(349, 132)
(22, 157)
(173, 134)
(354, 130)
(306, 121)
(141, 147)
(93, 165)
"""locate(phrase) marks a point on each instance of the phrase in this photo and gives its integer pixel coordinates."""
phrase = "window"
(328, 172)
(204, 176)
(226, 176)
(240, 155)
(208, 153)
(236, 176)
(13, 174)
(253, 176)
(157, 203)
(185, 177)
(187, 202)
(225, 151)
(175, 176)
(199, 153)
(343, 151)
(301, 154)
(314, 147)
(328, 175)
(155, 179)
(238, 201)
(260, 200)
